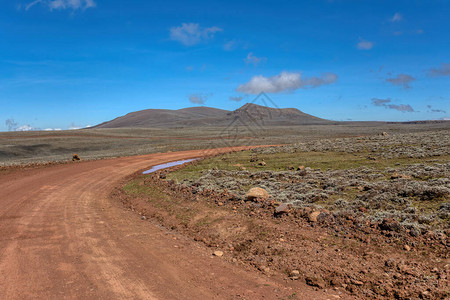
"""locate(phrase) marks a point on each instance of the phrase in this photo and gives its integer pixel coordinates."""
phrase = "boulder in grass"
(256, 193)
(75, 157)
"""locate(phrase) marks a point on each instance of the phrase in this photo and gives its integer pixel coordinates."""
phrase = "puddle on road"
(168, 165)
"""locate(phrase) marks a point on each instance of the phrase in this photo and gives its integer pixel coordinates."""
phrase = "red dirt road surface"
(61, 237)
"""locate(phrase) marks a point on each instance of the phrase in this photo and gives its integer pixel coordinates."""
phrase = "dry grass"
(32, 147)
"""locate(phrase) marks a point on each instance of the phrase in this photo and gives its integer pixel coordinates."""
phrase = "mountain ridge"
(209, 116)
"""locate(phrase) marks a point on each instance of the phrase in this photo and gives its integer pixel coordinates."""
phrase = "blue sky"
(73, 63)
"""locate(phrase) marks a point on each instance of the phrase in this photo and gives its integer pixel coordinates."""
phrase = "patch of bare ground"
(341, 252)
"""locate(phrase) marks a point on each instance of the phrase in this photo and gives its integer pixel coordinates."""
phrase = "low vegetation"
(386, 176)
(18, 148)
(366, 215)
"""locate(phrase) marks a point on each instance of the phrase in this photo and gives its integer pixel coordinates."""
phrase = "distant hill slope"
(208, 116)
(275, 116)
(164, 117)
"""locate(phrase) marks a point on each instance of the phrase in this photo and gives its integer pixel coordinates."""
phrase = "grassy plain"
(45, 146)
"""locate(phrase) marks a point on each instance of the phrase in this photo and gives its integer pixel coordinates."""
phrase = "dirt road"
(61, 237)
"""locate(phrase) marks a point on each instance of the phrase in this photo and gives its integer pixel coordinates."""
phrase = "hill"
(208, 116)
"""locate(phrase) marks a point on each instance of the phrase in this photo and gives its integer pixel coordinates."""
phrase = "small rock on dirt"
(283, 208)
(315, 281)
(357, 282)
(390, 225)
(316, 216)
(218, 253)
(294, 275)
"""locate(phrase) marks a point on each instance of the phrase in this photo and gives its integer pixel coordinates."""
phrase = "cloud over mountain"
(284, 82)
(198, 98)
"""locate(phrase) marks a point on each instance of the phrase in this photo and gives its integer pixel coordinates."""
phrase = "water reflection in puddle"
(168, 165)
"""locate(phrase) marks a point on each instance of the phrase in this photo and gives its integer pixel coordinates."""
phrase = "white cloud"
(284, 82)
(251, 59)
(53, 129)
(25, 127)
(364, 45)
(397, 17)
(191, 34)
(63, 4)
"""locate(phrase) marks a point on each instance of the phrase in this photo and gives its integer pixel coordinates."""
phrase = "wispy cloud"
(364, 45)
(199, 98)
(402, 80)
(443, 70)
(284, 82)
(190, 34)
(236, 99)
(436, 110)
(235, 44)
(397, 17)
(251, 59)
(380, 102)
(229, 46)
(385, 103)
(63, 4)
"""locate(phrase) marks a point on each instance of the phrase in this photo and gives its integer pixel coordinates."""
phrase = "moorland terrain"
(365, 215)
(153, 131)
(351, 209)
